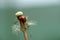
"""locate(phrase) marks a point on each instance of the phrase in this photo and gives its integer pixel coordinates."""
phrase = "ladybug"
(22, 19)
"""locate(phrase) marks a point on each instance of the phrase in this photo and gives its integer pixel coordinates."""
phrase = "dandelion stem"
(25, 35)
(23, 29)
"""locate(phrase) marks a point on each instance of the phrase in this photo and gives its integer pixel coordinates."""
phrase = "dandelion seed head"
(19, 13)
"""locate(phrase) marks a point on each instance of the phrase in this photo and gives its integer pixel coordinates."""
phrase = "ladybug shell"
(22, 19)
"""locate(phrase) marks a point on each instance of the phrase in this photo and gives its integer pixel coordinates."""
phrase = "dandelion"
(22, 24)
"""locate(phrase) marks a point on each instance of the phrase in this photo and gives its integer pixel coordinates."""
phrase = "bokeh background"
(45, 12)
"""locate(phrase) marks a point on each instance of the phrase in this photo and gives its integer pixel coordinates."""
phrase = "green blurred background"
(47, 17)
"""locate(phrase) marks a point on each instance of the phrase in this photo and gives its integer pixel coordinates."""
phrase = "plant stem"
(25, 35)
(23, 29)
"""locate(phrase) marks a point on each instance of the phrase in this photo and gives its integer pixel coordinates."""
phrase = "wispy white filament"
(16, 26)
(15, 29)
